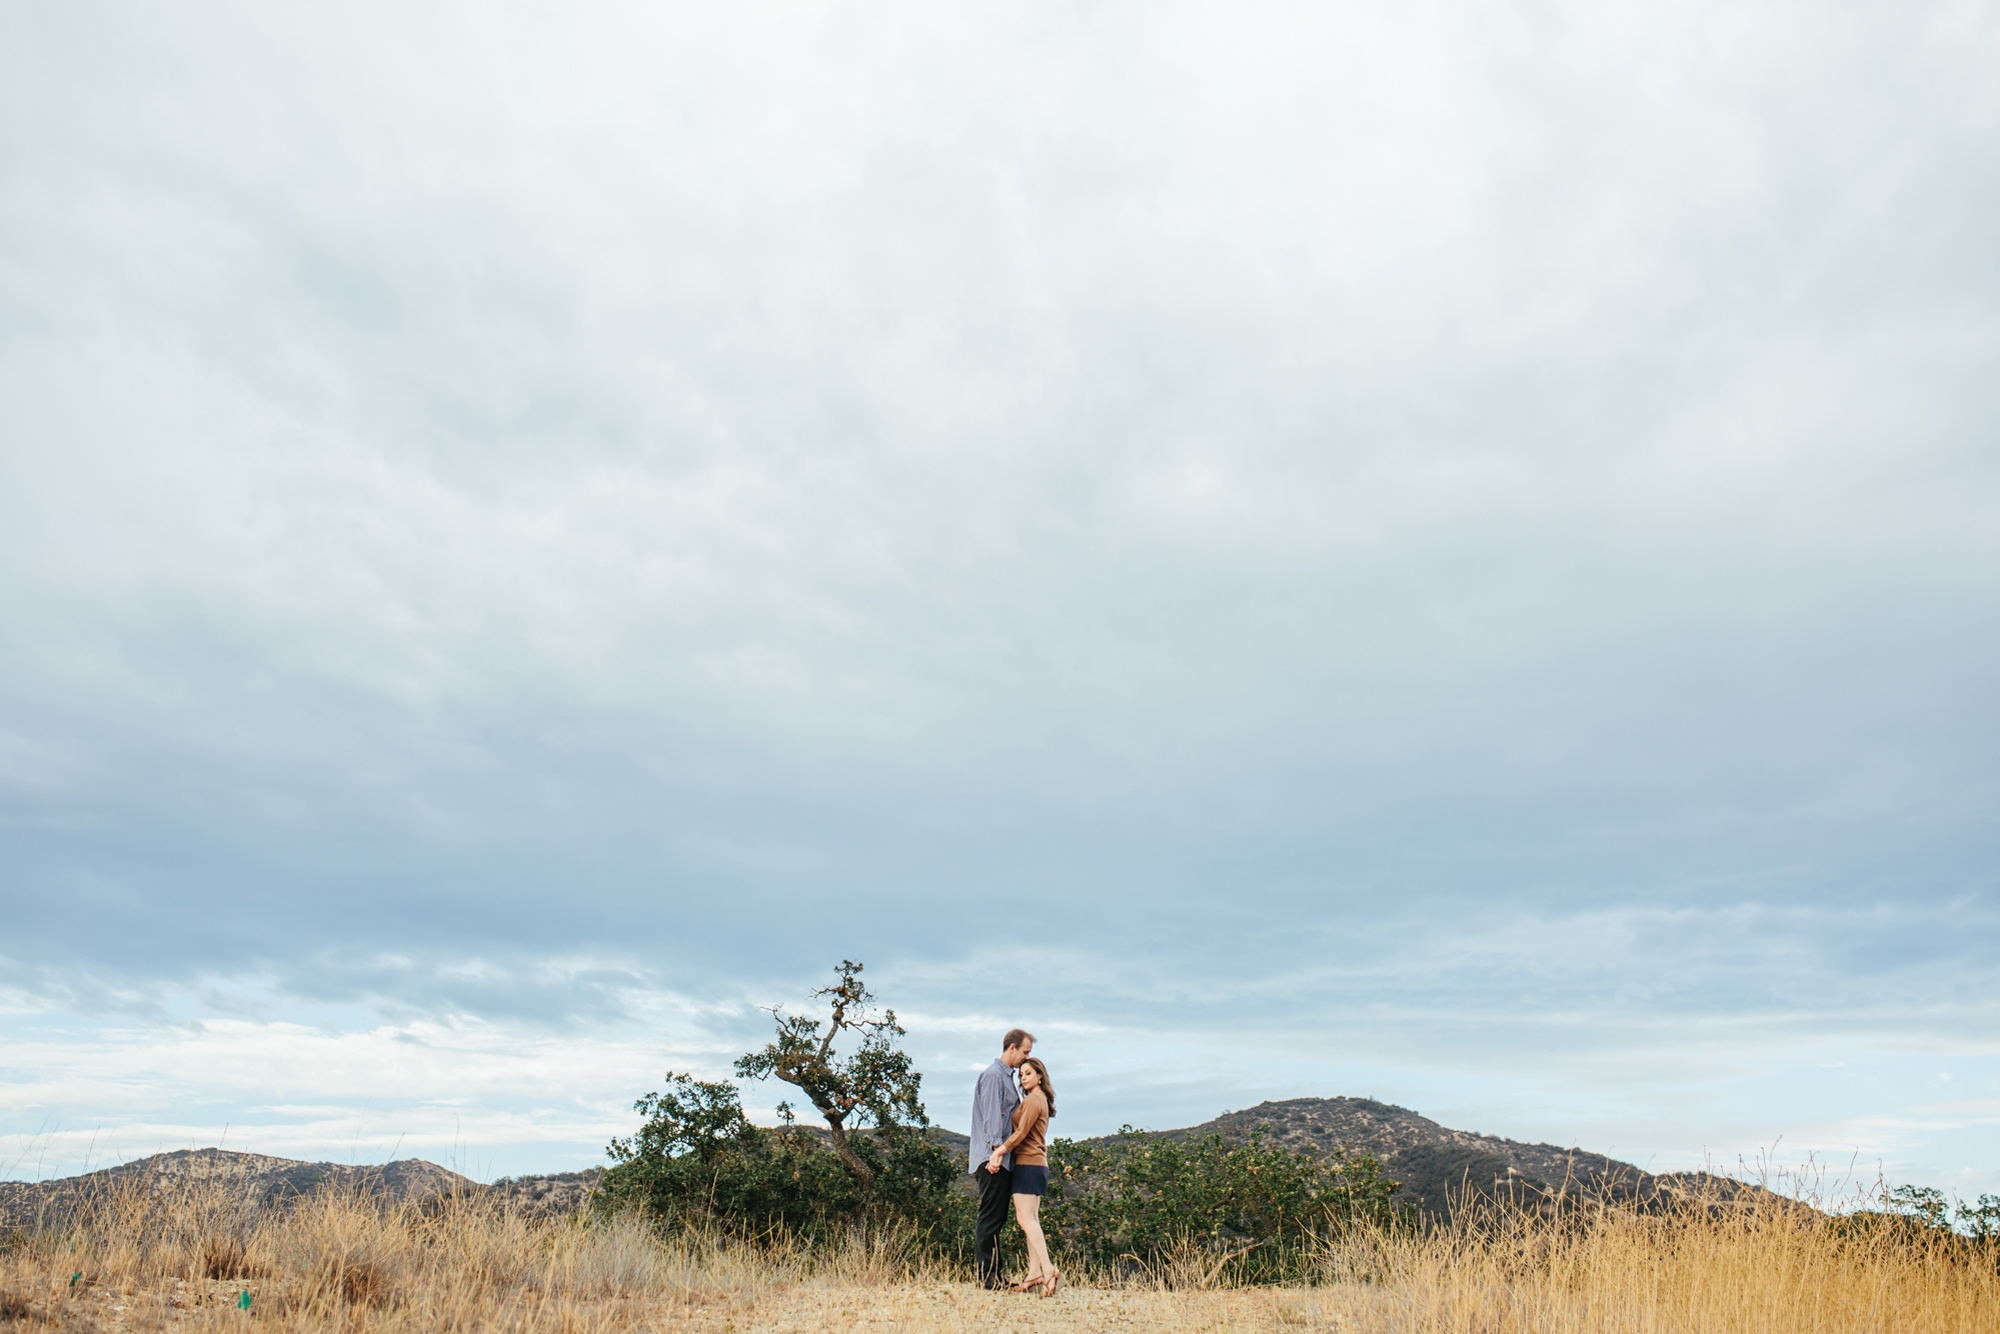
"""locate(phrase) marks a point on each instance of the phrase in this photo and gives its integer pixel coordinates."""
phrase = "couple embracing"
(1009, 1159)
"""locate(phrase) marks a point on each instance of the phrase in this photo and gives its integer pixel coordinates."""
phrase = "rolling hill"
(1434, 1162)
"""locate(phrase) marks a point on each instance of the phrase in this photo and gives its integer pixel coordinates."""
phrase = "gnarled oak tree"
(875, 1085)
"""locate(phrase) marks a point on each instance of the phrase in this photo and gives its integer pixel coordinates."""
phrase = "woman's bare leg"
(1028, 1213)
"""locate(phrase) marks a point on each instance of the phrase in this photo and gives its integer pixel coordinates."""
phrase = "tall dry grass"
(343, 1261)
(183, 1259)
(1763, 1263)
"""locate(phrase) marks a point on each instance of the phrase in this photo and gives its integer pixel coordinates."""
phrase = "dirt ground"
(804, 1309)
(963, 1307)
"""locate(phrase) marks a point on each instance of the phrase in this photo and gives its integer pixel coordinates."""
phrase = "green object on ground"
(74, 1277)
(243, 1302)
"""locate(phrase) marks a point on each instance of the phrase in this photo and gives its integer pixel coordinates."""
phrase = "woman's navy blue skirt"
(1030, 1179)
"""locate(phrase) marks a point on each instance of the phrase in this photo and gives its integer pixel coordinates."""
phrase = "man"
(993, 1102)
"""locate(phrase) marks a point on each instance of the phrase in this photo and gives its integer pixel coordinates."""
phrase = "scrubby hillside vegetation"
(1437, 1166)
(338, 1258)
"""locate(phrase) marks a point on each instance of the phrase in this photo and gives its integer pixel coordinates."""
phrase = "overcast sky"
(1441, 551)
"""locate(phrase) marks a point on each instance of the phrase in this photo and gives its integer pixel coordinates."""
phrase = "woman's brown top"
(1031, 1121)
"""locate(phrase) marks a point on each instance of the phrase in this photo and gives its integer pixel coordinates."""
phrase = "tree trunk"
(849, 1159)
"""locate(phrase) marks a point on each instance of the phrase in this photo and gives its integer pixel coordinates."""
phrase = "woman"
(1031, 1171)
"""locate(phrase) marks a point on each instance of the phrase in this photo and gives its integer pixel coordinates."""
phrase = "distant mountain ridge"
(243, 1182)
(1435, 1163)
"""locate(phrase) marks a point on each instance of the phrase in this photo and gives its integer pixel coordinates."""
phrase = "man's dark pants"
(996, 1192)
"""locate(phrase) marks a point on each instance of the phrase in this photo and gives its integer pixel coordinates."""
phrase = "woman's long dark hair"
(1048, 1089)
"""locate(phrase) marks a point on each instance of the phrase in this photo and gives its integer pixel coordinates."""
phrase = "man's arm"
(985, 1115)
(989, 1117)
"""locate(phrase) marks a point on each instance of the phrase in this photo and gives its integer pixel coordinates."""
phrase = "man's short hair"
(1015, 1037)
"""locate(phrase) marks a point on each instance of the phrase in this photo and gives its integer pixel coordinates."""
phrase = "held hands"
(993, 1163)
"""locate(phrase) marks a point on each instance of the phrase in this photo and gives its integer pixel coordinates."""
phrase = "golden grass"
(341, 1262)
(1756, 1265)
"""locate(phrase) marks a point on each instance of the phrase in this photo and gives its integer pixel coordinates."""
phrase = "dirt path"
(808, 1308)
(962, 1307)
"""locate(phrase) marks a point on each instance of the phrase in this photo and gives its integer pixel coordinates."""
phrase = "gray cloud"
(1459, 517)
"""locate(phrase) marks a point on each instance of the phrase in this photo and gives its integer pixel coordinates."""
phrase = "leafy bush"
(1920, 1204)
(697, 1159)
(1981, 1221)
(1246, 1210)
(1925, 1206)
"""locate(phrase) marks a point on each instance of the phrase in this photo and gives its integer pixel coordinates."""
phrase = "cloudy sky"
(1437, 551)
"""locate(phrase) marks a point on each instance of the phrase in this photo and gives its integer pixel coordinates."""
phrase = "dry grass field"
(341, 1262)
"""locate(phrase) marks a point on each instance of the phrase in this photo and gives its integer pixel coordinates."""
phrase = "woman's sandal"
(1054, 1278)
(1029, 1284)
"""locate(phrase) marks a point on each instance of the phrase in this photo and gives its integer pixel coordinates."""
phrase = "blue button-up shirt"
(993, 1102)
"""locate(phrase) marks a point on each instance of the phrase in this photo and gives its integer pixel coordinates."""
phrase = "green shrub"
(697, 1159)
(1980, 1221)
(1253, 1212)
